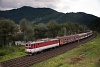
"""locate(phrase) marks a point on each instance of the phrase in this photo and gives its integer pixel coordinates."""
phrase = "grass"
(85, 55)
(11, 52)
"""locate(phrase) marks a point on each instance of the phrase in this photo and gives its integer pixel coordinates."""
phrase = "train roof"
(67, 36)
(74, 35)
(81, 34)
(43, 40)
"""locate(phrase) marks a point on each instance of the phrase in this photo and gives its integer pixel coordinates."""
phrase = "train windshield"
(27, 44)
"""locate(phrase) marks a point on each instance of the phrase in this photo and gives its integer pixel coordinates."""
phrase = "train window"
(31, 44)
(26, 44)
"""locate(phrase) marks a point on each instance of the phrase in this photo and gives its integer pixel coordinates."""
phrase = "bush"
(9, 50)
(2, 53)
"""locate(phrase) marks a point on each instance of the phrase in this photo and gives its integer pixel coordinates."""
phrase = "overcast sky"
(65, 6)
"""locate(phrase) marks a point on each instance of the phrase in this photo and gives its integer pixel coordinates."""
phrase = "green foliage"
(23, 25)
(7, 30)
(40, 31)
(95, 25)
(71, 28)
(7, 53)
(27, 30)
(53, 28)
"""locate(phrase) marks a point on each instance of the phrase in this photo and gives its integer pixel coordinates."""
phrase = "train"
(47, 43)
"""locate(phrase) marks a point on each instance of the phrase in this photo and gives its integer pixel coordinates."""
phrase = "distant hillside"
(95, 25)
(38, 15)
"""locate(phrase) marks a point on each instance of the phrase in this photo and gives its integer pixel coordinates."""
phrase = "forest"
(25, 31)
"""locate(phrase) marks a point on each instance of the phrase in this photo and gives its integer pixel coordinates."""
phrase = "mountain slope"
(78, 17)
(38, 15)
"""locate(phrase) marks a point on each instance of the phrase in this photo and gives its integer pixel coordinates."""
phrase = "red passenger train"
(47, 43)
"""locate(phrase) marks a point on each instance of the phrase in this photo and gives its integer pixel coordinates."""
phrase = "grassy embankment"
(85, 55)
(11, 52)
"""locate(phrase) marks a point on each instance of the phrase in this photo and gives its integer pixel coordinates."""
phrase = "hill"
(38, 15)
(95, 25)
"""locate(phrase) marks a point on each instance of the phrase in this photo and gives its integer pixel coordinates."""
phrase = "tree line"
(95, 25)
(25, 31)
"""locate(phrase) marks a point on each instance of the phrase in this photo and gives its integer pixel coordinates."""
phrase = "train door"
(61, 41)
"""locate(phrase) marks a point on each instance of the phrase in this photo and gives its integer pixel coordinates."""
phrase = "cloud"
(34, 3)
(65, 5)
(88, 6)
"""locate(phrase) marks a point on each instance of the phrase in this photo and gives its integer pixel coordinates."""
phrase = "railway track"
(27, 61)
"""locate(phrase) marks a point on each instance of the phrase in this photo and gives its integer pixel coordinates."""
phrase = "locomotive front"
(28, 48)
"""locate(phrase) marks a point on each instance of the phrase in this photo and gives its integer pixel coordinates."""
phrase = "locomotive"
(43, 44)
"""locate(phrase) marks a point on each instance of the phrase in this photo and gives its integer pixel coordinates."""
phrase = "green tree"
(62, 31)
(40, 31)
(30, 33)
(23, 25)
(73, 28)
(27, 30)
(95, 25)
(53, 28)
(7, 30)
